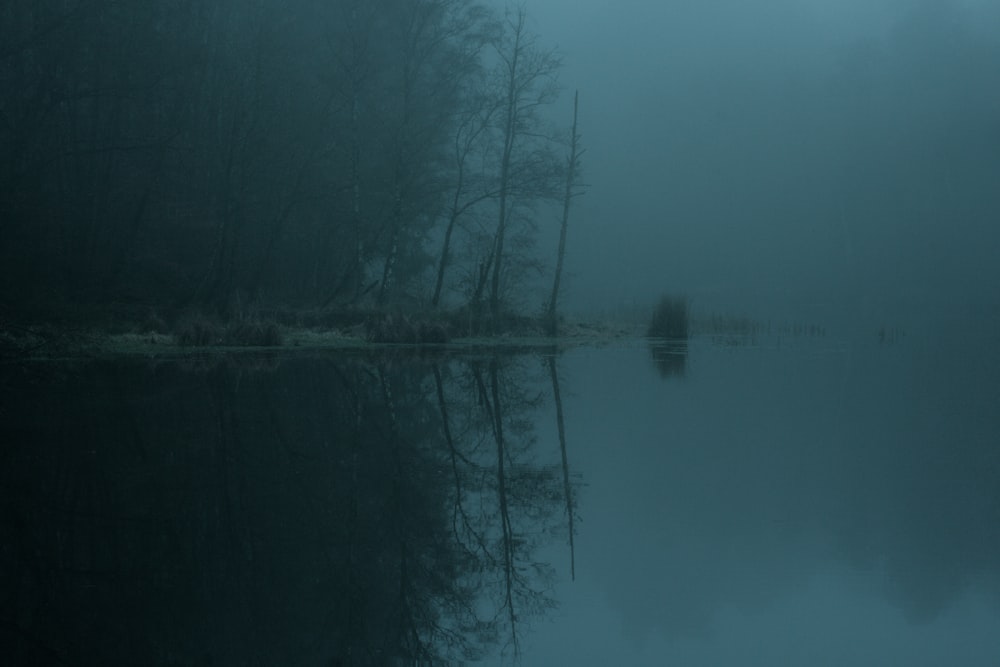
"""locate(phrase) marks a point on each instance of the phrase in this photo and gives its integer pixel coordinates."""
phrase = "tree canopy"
(306, 154)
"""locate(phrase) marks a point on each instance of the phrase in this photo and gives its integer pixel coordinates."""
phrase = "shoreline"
(54, 344)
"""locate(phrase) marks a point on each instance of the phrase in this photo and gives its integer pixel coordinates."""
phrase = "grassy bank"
(190, 334)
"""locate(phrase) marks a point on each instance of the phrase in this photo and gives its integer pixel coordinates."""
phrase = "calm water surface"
(771, 503)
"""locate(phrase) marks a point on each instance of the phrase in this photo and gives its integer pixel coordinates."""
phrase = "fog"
(837, 161)
(812, 157)
(813, 160)
(782, 507)
(291, 372)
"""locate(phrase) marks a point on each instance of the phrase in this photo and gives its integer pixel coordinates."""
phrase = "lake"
(789, 501)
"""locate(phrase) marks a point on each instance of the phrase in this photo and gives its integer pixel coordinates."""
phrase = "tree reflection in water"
(344, 510)
(669, 357)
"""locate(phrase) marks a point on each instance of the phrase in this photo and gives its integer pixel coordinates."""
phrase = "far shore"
(54, 343)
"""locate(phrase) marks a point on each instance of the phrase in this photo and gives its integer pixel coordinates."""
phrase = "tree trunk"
(571, 173)
(510, 132)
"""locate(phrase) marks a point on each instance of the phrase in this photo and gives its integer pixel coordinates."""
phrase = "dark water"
(816, 503)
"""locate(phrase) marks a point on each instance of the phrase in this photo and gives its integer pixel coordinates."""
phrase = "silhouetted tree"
(222, 156)
(526, 79)
(471, 187)
(572, 176)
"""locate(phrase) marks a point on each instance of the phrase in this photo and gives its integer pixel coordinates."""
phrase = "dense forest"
(277, 155)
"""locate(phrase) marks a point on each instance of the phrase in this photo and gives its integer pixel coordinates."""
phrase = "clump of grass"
(152, 323)
(670, 319)
(890, 335)
(253, 333)
(199, 332)
(729, 325)
(204, 332)
(433, 333)
(391, 328)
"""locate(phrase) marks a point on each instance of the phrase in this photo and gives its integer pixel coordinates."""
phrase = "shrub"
(433, 333)
(670, 319)
(391, 328)
(198, 332)
(203, 332)
(251, 333)
(152, 324)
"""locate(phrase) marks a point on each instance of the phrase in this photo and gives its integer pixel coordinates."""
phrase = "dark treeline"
(294, 154)
(333, 510)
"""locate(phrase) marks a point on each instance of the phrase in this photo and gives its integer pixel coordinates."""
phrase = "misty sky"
(792, 158)
(822, 155)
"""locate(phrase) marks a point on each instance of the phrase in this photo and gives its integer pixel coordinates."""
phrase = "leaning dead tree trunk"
(572, 173)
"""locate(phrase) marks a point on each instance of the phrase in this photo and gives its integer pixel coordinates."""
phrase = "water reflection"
(388, 510)
(335, 510)
(837, 491)
(669, 357)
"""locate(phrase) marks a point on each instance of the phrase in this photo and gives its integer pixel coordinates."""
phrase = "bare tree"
(471, 186)
(527, 76)
(572, 176)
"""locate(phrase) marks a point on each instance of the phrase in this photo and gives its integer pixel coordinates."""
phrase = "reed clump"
(401, 329)
(205, 332)
(670, 319)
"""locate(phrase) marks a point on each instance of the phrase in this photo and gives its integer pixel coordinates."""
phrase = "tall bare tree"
(572, 177)
(471, 186)
(527, 76)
